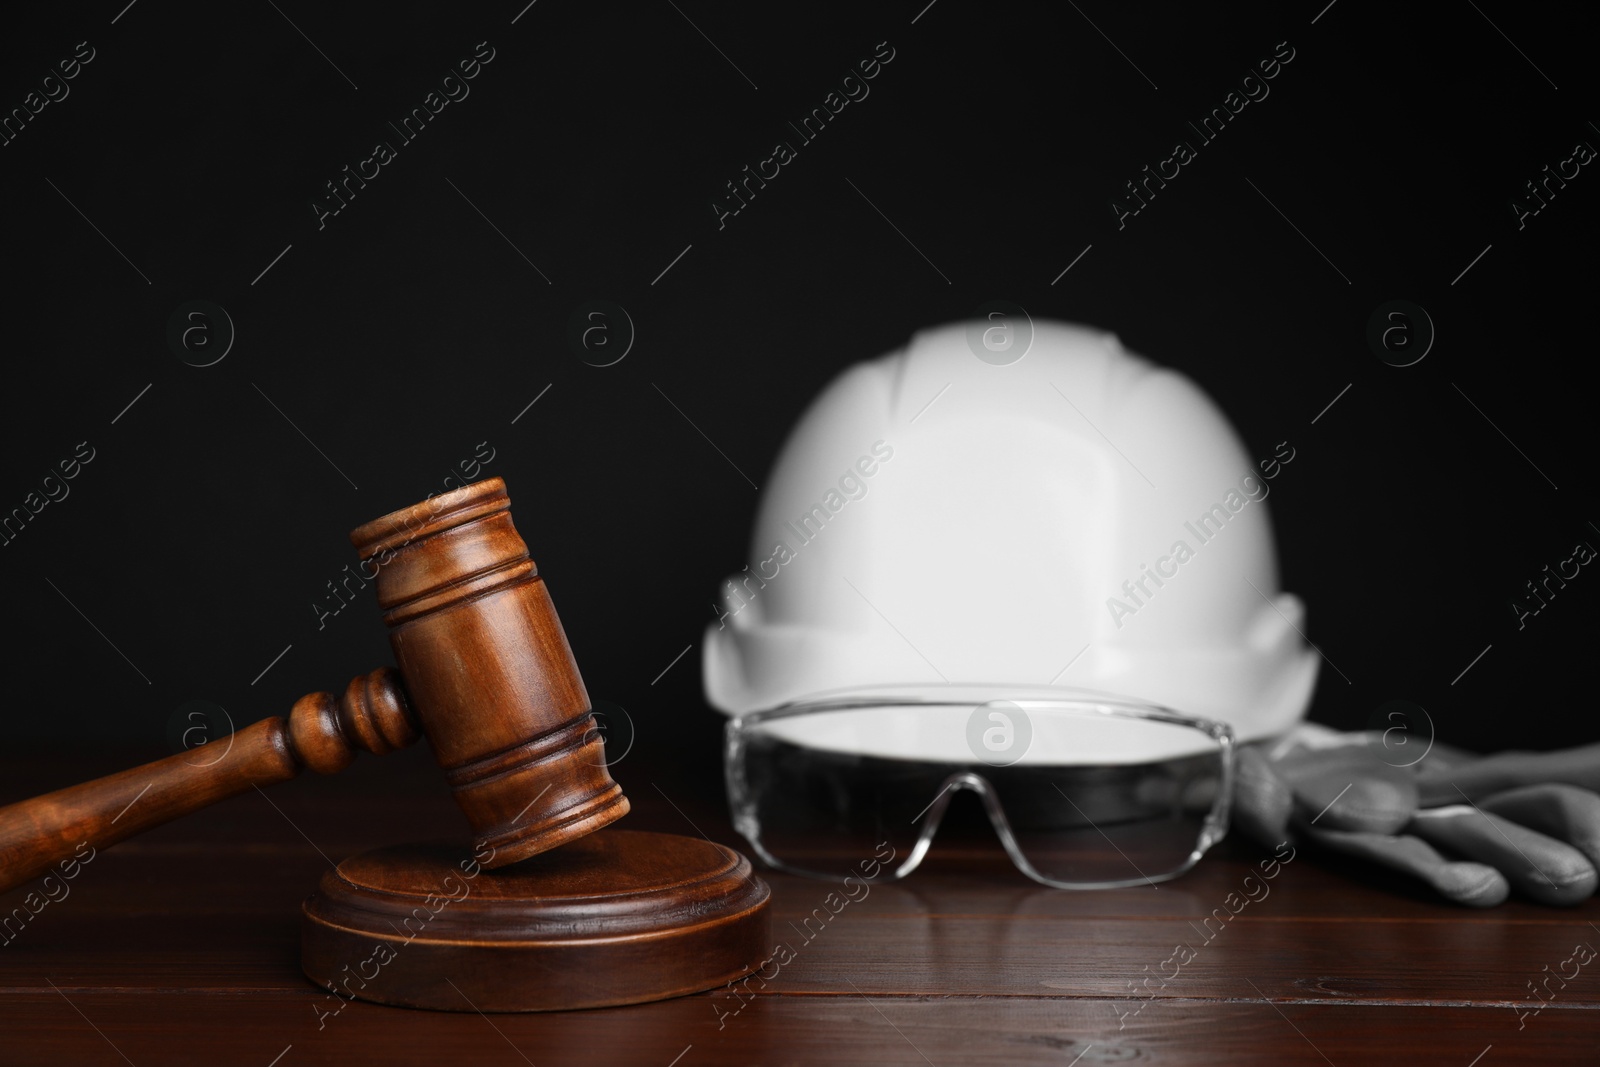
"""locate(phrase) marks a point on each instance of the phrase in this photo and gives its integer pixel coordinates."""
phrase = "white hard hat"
(947, 524)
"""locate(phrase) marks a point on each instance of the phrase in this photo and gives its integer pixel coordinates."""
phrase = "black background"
(408, 330)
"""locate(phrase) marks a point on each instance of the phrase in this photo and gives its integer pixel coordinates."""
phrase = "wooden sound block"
(616, 917)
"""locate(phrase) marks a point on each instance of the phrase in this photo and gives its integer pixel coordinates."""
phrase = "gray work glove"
(1516, 820)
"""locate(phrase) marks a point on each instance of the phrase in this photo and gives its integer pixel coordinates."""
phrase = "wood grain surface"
(181, 947)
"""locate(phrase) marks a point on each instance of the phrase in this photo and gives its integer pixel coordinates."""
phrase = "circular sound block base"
(616, 917)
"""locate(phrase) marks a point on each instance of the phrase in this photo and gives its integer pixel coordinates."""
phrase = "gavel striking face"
(484, 671)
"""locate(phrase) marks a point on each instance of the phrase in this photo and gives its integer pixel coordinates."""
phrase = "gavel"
(484, 671)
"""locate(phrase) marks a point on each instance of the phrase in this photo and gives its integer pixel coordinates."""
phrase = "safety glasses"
(1084, 794)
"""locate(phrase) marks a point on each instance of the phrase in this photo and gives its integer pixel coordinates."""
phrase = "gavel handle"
(320, 733)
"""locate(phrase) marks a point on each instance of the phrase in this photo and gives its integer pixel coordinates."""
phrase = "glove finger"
(1539, 867)
(1509, 770)
(1563, 812)
(1350, 789)
(1262, 803)
(1472, 884)
(1444, 758)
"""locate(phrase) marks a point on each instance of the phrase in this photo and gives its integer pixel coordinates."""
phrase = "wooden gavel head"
(487, 673)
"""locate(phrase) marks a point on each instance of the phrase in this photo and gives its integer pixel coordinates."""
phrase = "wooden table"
(181, 947)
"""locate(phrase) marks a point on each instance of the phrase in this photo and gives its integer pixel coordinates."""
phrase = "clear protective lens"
(1082, 793)
(1130, 823)
(805, 807)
